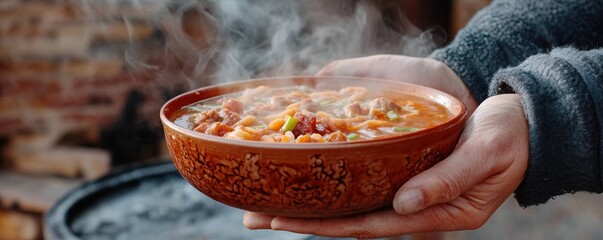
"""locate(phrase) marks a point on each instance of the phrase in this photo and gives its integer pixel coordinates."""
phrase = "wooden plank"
(18, 225)
(70, 68)
(72, 162)
(32, 193)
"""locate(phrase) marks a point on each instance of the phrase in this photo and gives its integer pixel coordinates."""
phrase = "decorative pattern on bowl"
(312, 179)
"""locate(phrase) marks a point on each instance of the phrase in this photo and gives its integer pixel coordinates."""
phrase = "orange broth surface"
(302, 114)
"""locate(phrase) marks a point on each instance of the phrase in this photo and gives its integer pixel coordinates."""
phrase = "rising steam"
(215, 41)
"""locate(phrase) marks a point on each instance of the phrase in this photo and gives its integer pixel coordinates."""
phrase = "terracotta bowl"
(309, 179)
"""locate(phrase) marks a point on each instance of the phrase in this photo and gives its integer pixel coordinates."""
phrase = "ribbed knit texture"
(561, 93)
(509, 31)
(523, 47)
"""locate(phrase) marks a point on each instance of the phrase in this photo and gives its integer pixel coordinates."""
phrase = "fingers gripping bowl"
(314, 178)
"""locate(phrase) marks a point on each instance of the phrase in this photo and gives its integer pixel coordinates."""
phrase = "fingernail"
(409, 201)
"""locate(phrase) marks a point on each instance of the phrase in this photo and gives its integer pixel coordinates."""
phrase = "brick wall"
(60, 67)
(65, 73)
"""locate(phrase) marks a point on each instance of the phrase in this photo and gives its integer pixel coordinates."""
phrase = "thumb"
(445, 181)
(494, 139)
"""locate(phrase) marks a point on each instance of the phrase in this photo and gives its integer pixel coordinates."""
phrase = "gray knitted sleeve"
(508, 31)
(562, 94)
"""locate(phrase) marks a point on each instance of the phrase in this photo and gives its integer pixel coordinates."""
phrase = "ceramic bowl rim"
(455, 120)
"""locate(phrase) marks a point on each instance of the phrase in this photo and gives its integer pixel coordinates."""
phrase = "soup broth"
(302, 114)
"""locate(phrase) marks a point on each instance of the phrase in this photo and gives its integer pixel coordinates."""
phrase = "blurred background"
(82, 81)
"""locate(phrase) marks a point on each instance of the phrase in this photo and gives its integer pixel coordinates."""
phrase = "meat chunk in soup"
(307, 124)
(380, 106)
(218, 129)
(354, 109)
(234, 105)
(229, 117)
(308, 105)
(224, 116)
(210, 116)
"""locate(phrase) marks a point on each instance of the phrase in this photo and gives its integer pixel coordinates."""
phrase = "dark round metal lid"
(149, 202)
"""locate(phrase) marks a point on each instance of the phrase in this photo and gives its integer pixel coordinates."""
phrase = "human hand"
(460, 192)
(420, 71)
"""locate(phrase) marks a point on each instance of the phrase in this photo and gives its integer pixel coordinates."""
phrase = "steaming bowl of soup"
(309, 146)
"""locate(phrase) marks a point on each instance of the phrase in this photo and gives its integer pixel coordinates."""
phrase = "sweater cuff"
(564, 129)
